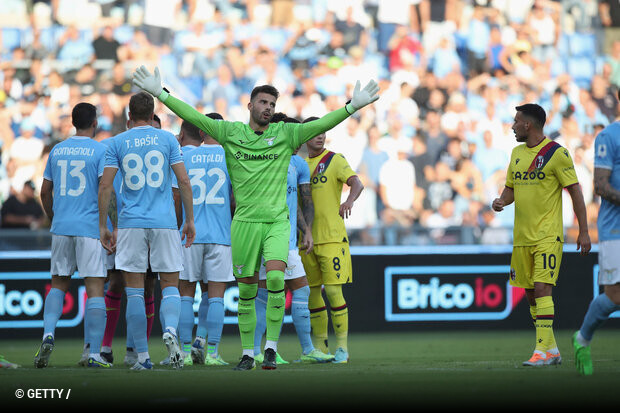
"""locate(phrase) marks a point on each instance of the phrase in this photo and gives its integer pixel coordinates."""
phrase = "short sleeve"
(303, 172)
(47, 173)
(175, 151)
(111, 157)
(101, 163)
(564, 168)
(344, 170)
(509, 174)
(603, 153)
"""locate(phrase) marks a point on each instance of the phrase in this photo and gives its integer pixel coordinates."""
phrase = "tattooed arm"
(603, 188)
(305, 217)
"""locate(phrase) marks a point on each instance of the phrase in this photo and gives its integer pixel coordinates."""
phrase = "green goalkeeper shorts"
(252, 240)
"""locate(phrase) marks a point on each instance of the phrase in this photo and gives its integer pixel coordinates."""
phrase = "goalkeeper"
(257, 156)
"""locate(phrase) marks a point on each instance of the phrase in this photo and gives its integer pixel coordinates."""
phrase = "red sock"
(149, 307)
(113, 311)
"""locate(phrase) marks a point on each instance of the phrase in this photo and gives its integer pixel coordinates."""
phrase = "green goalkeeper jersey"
(257, 162)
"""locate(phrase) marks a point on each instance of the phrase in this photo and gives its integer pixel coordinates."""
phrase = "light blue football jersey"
(74, 168)
(607, 156)
(143, 156)
(211, 189)
(298, 174)
(118, 188)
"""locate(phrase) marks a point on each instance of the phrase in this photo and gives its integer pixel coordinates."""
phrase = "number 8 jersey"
(74, 168)
(143, 155)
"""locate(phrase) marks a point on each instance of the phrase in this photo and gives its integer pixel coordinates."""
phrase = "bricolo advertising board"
(393, 289)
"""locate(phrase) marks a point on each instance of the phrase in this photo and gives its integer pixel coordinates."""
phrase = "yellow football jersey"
(329, 171)
(538, 176)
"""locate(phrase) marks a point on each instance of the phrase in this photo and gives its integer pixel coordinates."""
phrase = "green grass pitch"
(456, 369)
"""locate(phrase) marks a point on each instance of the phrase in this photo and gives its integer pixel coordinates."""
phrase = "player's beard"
(259, 120)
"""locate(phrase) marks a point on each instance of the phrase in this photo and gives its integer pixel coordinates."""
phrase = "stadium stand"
(436, 87)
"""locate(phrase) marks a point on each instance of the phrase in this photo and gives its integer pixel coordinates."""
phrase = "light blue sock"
(52, 310)
(598, 312)
(136, 318)
(261, 319)
(96, 315)
(186, 322)
(170, 308)
(301, 318)
(203, 312)
(215, 323)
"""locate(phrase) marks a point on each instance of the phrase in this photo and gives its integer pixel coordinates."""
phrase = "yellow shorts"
(535, 263)
(328, 264)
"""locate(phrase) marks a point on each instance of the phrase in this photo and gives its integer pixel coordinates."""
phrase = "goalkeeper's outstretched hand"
(148, 82)
(364, 96)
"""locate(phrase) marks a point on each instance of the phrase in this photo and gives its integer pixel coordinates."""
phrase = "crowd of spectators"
(432, 152)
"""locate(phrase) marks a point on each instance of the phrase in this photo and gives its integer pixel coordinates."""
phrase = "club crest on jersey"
(239, 268)
(540, 161)
(270, 140)
(321, 168)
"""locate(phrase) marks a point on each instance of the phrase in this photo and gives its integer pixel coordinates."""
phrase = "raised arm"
(151, 83)
(361, 98)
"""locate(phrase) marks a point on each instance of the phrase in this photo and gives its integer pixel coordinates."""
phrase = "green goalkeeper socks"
(276, 300)
(247, 314)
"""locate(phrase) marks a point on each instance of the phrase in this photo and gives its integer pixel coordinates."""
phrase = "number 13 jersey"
(74, 167)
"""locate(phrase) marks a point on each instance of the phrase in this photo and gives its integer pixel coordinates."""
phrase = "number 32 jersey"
(143, 155)
(74, 167)
(211, 189)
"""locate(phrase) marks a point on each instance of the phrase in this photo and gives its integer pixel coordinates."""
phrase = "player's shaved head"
(141, 107)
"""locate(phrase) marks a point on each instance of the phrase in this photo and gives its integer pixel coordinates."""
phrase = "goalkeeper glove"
(363, 97)
(150, 83)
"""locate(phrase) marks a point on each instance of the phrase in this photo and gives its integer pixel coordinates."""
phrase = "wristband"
(349, 108)
(163, 95)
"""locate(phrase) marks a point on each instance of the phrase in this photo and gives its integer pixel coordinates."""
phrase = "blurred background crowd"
(432, 152)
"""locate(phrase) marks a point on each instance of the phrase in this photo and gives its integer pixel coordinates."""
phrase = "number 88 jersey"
(74, 167)
(143, 156)
(211, 193)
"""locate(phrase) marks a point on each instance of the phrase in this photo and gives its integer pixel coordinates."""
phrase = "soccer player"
(257, 156)
(209, 259)
(147, 226)
(329, 264)
(116, 283)
(539, 170)
(607, 186)
(69, 198)
(298, 176)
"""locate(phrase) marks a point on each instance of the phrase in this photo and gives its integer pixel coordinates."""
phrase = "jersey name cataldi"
(206, 168)
(538, 176)
(74, 167)
(607, 156)
(143, 155)
(257, 163)
(328, 172)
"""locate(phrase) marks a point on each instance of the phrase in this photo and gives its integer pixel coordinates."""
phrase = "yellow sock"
(533, 314)
(545, 340)
(339, 314)
(318, 319)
